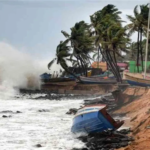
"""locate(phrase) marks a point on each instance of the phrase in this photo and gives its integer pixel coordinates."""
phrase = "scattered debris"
(106, 140)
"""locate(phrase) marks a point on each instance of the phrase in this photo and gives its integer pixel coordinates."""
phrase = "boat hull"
(90, 123)
(97, 80)
(93, 120)
(135, 81)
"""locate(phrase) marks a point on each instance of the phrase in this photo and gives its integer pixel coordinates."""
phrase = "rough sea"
(23, 131)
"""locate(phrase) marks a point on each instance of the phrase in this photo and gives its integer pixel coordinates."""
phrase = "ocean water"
(23, 131)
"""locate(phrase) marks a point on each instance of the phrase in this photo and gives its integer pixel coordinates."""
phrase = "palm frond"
(51, 63)
(65, 34)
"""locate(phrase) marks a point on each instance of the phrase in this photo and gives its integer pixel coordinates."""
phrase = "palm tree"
(62, 53)
(81, 44)
(138, 24)
(109, 36)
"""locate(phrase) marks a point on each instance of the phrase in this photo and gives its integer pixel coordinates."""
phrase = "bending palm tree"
(62, 53)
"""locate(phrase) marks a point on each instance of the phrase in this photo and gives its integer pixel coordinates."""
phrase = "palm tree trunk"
(138, 51)
(69, 72)
(141, 51)
(82, 65)
(78, 62)
(106, 58)
(117, 66)
(113, 66)
(98, 58)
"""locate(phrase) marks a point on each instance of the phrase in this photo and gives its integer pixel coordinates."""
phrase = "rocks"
(38, 145)
(18, 112)
(43, 110)
(49, 95)
(106, 140)
(4, 116)
(11, 112)
(72, 111)
(6, 111)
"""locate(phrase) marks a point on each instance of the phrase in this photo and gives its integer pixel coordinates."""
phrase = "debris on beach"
(102, 135)
(107, 140)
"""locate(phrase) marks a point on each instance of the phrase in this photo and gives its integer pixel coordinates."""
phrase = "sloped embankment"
(135, 103)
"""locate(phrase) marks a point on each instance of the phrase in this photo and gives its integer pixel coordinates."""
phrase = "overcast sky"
(34, 26)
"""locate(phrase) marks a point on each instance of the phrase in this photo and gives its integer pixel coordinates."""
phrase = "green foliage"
(104, 35)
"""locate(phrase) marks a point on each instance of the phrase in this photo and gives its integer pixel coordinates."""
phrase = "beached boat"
(93, 119)
(104, 75)
(57, 80)
(134, 80)
(97, 80)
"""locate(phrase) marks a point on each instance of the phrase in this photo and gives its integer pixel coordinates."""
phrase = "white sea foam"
(18, 69)
(50, 129)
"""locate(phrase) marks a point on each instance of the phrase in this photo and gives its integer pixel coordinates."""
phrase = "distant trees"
(139, 24)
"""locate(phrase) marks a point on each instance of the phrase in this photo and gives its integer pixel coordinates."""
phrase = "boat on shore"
(97, 80)
(94, 119)
(134, 80)
(57, 80)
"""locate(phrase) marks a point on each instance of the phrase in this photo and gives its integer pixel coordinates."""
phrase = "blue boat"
(93, 119)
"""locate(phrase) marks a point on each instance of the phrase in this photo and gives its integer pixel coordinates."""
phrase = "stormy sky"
(34, 26)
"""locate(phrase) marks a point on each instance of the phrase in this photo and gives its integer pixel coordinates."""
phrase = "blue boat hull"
(90, 123)
(134, 83)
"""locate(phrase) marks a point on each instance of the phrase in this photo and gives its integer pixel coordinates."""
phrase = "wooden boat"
(57, 80)
(94, 118)
(97, 80)
(136, 81)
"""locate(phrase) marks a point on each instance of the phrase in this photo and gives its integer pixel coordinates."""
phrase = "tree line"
(105, 36)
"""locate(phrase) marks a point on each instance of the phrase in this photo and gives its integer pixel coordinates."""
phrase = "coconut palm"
(139, 24)
(62, 53)
(108, 30)
(81, 44)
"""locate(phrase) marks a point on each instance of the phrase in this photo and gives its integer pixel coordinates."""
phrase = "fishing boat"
(104, 75)
(93, 119)
(57, 80)
(135, 80)
(97, 80)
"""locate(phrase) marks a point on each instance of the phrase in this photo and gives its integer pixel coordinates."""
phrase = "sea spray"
(18, 69)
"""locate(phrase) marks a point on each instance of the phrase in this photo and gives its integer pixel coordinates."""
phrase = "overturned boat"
(93, 119)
